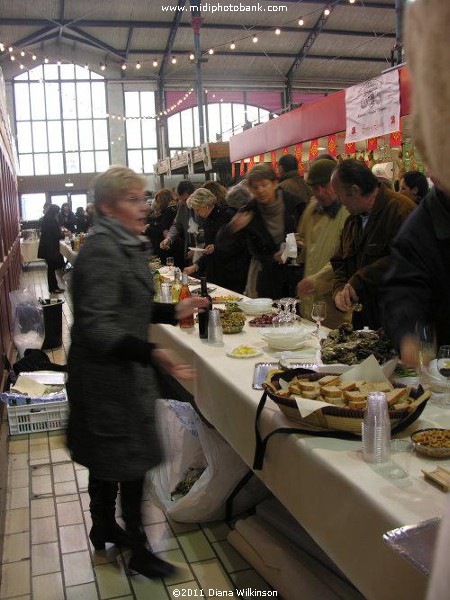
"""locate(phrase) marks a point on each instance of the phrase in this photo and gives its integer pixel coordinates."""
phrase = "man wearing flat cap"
(319, 232)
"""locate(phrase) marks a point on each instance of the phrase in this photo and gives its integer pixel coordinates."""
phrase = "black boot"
(103, 509)
(142, 558)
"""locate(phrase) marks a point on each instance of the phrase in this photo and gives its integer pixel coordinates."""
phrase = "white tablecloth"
(29, 250)
(344, 503)
(67, 252)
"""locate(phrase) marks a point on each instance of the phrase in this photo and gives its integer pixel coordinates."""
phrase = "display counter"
(345, 504)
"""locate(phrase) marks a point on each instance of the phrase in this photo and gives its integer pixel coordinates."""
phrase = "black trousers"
(52, 265)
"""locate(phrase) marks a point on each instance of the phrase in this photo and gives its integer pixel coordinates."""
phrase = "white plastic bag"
(189, 443)
(27, 319)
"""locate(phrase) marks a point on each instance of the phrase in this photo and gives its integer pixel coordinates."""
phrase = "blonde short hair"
(111, 185)
(201, 198)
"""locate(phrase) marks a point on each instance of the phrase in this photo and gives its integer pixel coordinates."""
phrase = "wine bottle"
(188, 322)
(157, 284)
(176, 286)
(203, 317)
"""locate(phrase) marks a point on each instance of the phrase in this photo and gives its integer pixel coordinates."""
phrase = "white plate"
(257, 352)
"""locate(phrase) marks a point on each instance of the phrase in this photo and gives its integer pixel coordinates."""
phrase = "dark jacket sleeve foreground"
(111, 391)
(417, 287)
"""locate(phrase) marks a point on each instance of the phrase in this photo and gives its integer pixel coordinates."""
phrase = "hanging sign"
(242, 168)
(313, 149)
(372, 108)
(350, 148)
(262, 158)
(251, 162)
(298, 152)
(285, 151)
(273, 159)
(233, 170)
(372, 143)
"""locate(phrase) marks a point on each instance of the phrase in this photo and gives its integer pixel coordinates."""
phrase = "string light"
(352, 1)
(12, 57)
(301, 22)
(255, 39)
(102, 66)
(211, 51)
(10, 49)
(58, 63)
(155, 63)
(191, 57)
(277, 31)
(34, 57)
(174, 60)
(138, 65)
(124, 66)
(326, 12)
(22, 53)
(21, 67)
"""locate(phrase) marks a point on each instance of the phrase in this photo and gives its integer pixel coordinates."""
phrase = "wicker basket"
(341, 418)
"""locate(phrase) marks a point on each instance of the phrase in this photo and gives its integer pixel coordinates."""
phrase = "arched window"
(141, 131)
(61, 120)
(224, 120)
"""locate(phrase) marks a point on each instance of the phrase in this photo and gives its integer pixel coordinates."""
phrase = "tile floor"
(47, 554)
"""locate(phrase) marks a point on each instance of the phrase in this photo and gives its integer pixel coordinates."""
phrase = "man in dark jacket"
(180, 226)
(417, 287)
(290, 180)
(363, 257)
(266, 220)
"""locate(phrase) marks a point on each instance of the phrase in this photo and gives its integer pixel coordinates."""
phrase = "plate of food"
(198, 291)
(244, 352)
(264, 320)
(345, 347)
(223, 299)
(433, 442)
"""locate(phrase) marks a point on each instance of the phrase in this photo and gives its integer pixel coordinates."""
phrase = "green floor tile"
(196, 546)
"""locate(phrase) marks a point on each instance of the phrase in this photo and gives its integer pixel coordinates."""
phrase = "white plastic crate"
(42, 416)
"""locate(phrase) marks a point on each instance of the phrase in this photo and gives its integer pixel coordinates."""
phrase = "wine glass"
(426, 336)
(443, 365)
(318, 314)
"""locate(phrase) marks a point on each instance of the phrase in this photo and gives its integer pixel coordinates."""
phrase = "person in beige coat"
(319, 232)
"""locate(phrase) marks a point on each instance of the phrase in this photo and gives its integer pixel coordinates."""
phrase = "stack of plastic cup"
(215, 333)
(376, 430)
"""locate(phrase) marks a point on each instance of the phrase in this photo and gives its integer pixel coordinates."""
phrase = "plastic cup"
(215, 333)
(401, 457)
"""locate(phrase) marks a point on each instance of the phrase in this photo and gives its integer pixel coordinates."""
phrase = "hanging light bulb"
(10, 49)
(12, 57)
(255, 39)
(2, 47)
(46, 60)
(301, 22)
(352, 1)
(138, 65)
(191, 56)
(102, 66)
(21, 66)
(155, 63)
(327, 11)
(277, 31)
(58, 63)
(124, 66)
(34, 57)
(232, 46)
(22, 53)
(174, 60)
(211, 51)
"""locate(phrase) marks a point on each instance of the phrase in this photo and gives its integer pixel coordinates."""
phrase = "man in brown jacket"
(363, 257)
(290, 180)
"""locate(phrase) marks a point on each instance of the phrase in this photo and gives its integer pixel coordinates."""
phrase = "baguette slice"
(329, 380)
(308, 386)
(294, 389)
(348, 386)
(397, 395)
(375, 386)
(331, 391)
(401, 405)
(336, 400)
(355, 396)
(359, 404)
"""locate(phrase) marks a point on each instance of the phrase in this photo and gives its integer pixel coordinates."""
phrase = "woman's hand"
(305, 287)
(209, 249)
(186, 307)
(177, 370)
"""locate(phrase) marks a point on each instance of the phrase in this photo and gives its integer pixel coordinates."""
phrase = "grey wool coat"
(112, 384)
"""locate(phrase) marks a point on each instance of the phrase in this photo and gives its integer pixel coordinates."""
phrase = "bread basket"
(339, 418)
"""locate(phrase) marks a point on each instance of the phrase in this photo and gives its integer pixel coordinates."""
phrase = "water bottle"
(376, 430)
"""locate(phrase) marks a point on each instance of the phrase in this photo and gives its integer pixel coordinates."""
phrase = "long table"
(345, 504)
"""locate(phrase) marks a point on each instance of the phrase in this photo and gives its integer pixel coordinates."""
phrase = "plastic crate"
(31, 418)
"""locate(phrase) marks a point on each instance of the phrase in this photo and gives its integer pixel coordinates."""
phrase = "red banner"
(350, 148)
(314, 149)
(301, 169)
(251, 162)
(396, 137)
(262, 158)
(242, 167)
(298, 152)
(273, 159)
(372, 144)
(233, 170)
(285, 150)
(332, 145)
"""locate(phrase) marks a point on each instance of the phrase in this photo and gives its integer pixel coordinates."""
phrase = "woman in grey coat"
(112, 384)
